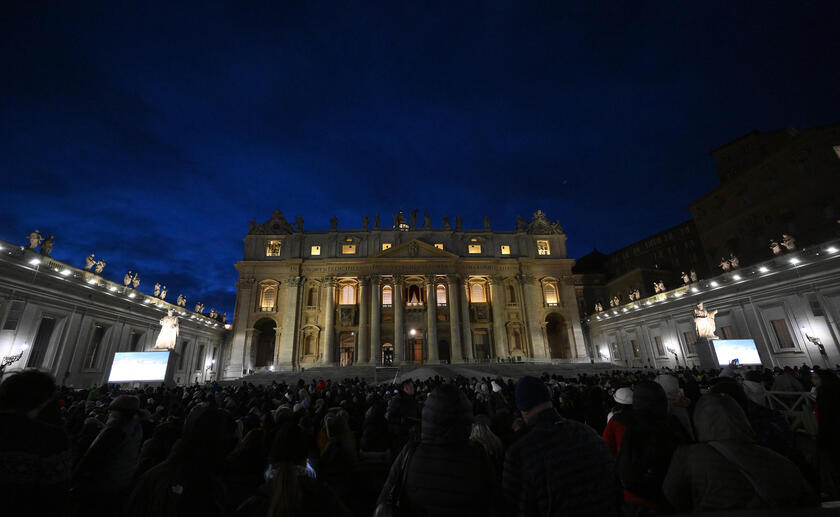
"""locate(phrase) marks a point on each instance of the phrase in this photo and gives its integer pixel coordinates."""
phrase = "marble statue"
(520, 224)
(333, 223)
(486, 223)
(685, 278)
(413, 219)
(599, 307)
(787, 241)
(662, 286)
(299, 223)
(181, 301)
(162, 293)
(656, 288)
(212, 312)
(459, 224)
(89, 262)
(135, 280)
(733, 261)
(637, 294)
(47, 247)
(427, 221)
(224, 317)
(693, 276)
(35, 239)
(156, 291)
(724, 264)
(704, 322)
(446, 225)
(376, 221)
(775, 248)
(100, 265)
(168, 332)
(365, 222)
(198, 307)
(612, 302)
(617, 300)
(127, 279)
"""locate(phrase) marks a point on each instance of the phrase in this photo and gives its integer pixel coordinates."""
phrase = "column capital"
(364, 280)
(398, 279)
(453, 279)
(526, 278)
(496, 279)
(294, 281)
(329, 281)
(375, 279)
(428, 280)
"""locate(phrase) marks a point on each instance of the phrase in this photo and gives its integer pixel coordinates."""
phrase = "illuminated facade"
(403, 293)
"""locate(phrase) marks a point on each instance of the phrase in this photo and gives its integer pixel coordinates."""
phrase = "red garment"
(613, 435)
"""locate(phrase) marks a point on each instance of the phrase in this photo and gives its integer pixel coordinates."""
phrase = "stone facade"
(403, 292)
(70, 322)
(789, 305)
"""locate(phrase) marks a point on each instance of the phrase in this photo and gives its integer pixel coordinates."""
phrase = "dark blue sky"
(152, 134)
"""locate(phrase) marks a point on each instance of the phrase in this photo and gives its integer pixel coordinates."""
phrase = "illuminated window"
(315, 250)
(348, 248)
(348, 295)
(269, 294)
(439, 245)
(386, 246)
(550, 292)
(660, 350)
(414, 297)
(440, 294)
(543, 248)
(782, 334)
(272, 248)
(477, 293)
(505, 249)
(474, 246)
(387, 298)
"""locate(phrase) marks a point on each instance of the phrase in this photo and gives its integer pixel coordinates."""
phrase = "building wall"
(514, 320)
(801, 290)
(76, 302)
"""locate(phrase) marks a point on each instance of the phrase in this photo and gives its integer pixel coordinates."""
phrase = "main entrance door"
(557, 334)
(347, 345)
(387, 354)
(443, 350)
(415, 349)
(265, 343)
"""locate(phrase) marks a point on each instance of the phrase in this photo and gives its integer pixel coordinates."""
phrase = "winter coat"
(702, 477)
(561, 467)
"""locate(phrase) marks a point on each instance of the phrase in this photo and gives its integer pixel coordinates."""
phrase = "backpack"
(643, 460)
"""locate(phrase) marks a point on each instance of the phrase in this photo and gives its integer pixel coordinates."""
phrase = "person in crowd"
(403, 415)
(786, 381)
(677, 403)
(34, 455)
(623, 398)
(561, 467)
(727, 470)
(104, 475)
(492, 444)
(827, 410)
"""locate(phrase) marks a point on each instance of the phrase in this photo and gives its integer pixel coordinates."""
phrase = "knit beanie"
(530, 392)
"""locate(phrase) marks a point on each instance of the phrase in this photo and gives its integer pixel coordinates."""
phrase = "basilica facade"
(403, 293)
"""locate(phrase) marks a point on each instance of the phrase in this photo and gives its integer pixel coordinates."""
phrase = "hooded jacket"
(727, 469)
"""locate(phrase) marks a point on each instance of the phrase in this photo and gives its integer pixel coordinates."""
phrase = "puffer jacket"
(447, 474)
(727, 469)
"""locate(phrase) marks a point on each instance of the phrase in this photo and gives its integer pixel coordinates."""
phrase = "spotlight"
(695, 290)
(831, 249)
(795, 261)
(763, 269)
(713, 283)
(131, 295)
(736, 277)
(35, 261)
(112, 288)
(65, 272)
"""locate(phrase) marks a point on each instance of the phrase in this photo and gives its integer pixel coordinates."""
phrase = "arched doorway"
(387, 354)
(444, 350)
(265, 338)
(558, 337)
(346, 347)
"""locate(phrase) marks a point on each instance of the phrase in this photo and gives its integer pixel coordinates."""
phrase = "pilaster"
(287, 337)
(454, 319)
(497, 303)
(431, 321)
(364, 348)
(465, 317)
(329, 321)
(375, 329)
(399, 321)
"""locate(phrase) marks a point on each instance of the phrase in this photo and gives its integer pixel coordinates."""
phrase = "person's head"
(447, 416)
(26, 392)
(123, 408)
(718, 417)
(649, 400)
(532, 397)
(731, 387)
(822, 378)
(408, 387)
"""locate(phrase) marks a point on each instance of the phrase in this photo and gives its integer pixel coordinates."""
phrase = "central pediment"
(415, 249)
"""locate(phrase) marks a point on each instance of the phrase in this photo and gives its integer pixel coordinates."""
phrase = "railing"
(798, 408)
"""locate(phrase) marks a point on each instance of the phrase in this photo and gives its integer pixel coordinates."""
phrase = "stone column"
(399, 321)
(431, 321)
(244, 306)
(454, 319)
(498, 304)
(289, 332)
(375, 330)
(248, 362)
(329, 322)
(364, 357)
(464, 289)
(531, 304)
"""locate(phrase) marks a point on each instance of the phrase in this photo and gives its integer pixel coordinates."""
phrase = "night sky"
(152, 134)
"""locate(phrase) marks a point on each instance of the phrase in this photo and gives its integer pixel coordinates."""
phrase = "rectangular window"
(184, 346)
(440, 294)
(782, 334)
(505, 249)
(614, 347)
(543, 248)
(134, 341)
(474, 249)
(660, 350)
(13, 316)
(637, 352)
(728, 332)
(272, 248)
(315, 251)
(386, 246)
(42, 342)
(199, 358)
(387, 296)
(477, 294)
(689, 341)
(439, 245)
(94, 345)
(348, 249)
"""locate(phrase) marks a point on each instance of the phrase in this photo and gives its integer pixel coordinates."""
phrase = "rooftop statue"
(100, 265)
(446, 225)
(540, 225)
(47, 247)
(89, 262)
(365, 222)
(35, 239)
(299, 223)
(427, 221)
(333, 223)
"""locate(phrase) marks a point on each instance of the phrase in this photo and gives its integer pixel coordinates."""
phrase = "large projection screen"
(743, 350)
(139, 366)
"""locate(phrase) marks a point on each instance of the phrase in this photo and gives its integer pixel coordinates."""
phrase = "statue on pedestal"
(35, 239)
(47, 247)
(135, 280)
(168, 332)
(520, 224)
(156, 291)
(127, 279)
(459, 224)
(198, 307)
(704, 322)
(724, 264)
(212, 313)
(365, 222)
(413, 219)
(599, 307)
(163, 293)
(775, 248)
(333, 223)
(376, 221)
(693, 276)
(656, 288)
(733, 261)
(636, 294)
(787, 241)
(100, 265)
(181, 301)
(685, 278)
(446, 225)
(89, 262)
(299, 223)
(486, 223)
(427, 221)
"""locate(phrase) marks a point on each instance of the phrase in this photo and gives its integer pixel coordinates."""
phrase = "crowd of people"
(632, 443)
